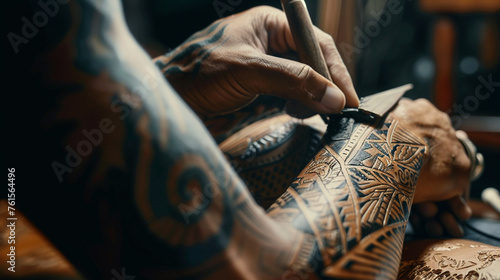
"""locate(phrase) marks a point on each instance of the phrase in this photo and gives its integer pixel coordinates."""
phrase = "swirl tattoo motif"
(157, 196)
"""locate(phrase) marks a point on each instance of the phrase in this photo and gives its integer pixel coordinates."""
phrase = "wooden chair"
(484, 131)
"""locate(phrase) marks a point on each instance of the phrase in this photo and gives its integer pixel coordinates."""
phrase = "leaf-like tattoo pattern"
(355, 196)
(158, 197)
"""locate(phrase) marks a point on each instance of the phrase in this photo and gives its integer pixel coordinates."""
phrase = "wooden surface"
(36, 257)
(460, 6)
(444, 49)
(329, 14)
(338, 19)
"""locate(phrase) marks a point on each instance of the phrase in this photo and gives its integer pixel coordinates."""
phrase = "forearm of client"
(353, 200)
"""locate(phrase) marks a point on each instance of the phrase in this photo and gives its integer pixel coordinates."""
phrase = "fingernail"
(333, 100)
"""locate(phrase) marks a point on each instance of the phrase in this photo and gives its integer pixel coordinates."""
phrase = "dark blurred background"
(447, 49)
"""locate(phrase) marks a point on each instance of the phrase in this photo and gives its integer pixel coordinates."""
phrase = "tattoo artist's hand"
(445, 175)
(435, 219)
(225, 66)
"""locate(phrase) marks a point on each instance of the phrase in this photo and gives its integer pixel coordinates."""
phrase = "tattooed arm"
(354, 197)
(136, 185)
(127, 179)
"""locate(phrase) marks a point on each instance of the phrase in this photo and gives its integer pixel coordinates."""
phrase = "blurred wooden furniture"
(460, 6)
(36, 257)
(479, 128)
(338, 18)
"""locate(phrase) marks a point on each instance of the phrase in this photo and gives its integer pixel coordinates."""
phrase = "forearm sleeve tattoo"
(155, 196)
(354, 198)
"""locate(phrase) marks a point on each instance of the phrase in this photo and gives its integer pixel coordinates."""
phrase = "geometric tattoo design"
(354, 198)
(157, 196)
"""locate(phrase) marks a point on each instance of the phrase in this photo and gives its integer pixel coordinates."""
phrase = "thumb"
(305, 88)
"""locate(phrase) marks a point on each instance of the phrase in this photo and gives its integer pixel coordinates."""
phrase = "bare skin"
(156, 196)
(230, 63)
(236, 47)
(446, 173)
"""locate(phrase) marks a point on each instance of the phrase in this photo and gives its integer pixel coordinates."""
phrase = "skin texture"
(220, 54)
(155, 196)
(211, 54)
(225, 66)
(445, 176)
(447, 170)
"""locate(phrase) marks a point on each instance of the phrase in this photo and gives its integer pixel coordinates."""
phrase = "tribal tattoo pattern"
(202, 43)
(184, 63)
(184, 67)
(268, 154)
(141, 184)
(354, 197)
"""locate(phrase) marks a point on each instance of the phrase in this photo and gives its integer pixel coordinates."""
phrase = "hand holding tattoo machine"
(371, 107)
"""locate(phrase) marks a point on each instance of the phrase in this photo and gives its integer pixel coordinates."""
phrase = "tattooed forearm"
(157, 197)
(354, 197)
(269, 154)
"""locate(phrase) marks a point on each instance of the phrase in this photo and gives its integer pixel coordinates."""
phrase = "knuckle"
(444, 115)
(304, 73)
(445, 119)
(464, 163)
(326, 38)
(256, 62)
(330, 48)
(303, 80)
(405, 101)
(423, 102)
(263, 9)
